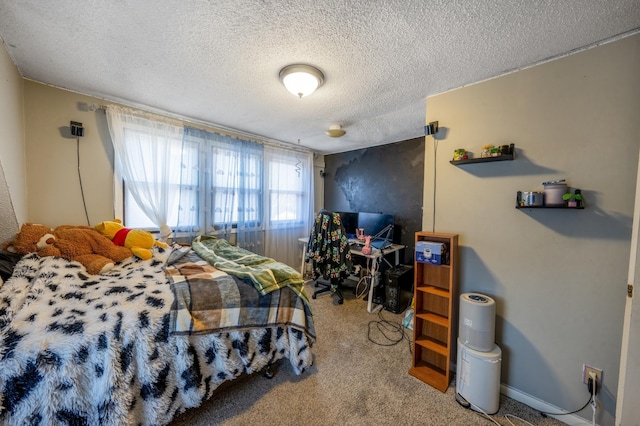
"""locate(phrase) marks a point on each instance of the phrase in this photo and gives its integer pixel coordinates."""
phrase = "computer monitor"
(373, 223)
(350, 223)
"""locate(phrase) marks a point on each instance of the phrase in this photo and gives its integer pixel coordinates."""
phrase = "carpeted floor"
(359, 377)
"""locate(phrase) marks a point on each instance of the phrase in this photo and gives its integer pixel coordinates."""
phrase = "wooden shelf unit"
(435, 292)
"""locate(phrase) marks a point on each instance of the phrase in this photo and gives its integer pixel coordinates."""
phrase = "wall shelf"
(550, 207)
(503, 157)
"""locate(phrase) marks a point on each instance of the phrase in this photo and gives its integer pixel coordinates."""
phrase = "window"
(189, 181)
(286, 191)
(208, 197)
(236, 187)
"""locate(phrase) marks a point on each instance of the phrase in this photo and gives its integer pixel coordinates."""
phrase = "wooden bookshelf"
(435, 292)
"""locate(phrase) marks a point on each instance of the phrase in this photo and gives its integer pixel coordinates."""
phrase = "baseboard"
(540, 405)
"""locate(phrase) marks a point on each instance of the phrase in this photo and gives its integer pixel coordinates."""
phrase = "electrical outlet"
(586, 369)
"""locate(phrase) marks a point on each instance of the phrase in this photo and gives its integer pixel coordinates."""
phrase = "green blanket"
(266, 274)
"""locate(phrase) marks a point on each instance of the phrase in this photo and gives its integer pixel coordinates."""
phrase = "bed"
(147, 340)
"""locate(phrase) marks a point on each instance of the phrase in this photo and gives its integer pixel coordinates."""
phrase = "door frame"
(627, 409)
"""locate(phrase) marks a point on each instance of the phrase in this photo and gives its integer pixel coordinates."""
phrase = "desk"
(375, 256)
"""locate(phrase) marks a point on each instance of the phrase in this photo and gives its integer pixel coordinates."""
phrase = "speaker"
(77, 129)
(398, 288)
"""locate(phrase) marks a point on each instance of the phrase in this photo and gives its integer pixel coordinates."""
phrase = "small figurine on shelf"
(486, 150)
(573, 200)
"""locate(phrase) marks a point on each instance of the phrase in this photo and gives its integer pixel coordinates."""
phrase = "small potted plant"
(573, 200)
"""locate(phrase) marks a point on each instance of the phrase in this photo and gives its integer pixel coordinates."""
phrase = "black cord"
(435, 157)
(544, 413)
(84, 203)
(385, 326)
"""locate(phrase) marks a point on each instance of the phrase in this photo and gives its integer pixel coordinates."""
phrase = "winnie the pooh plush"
(138, 241)
(80, 243)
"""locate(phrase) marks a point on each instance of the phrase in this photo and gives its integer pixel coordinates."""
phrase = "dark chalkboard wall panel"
(385, 179)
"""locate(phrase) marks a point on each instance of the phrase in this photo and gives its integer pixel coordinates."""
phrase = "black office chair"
(328, 250)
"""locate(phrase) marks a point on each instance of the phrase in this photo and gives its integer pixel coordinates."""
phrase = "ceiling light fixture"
(335, 131)
(301, 80)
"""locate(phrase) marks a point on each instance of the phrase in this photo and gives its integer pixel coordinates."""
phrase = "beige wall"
(558, 276)
(12, 152)
(55, 196)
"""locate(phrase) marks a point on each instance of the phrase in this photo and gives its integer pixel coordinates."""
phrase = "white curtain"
(198, 182)
(146, 149)
(288, 201)
(221, 188)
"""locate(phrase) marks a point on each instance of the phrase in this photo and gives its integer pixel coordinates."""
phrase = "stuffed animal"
(138, 241)
(80, 243)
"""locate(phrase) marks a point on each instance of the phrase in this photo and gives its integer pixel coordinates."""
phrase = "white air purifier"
(478, 378)
(476, 328)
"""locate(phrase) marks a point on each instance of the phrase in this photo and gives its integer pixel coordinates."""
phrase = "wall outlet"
(586, 369)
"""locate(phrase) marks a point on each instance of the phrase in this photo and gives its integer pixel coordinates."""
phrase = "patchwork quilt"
(208, 300)
(79, 349)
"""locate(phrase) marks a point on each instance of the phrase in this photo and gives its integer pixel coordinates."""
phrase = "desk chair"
(328, 250)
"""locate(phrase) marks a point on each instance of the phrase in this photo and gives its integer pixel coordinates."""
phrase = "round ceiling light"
(335, 131)
(301, 80)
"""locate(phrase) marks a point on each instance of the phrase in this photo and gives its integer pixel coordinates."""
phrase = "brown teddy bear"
(81, 243)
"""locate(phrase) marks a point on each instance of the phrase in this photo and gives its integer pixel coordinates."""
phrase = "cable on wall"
(84, 203)
(435, 165)
(78, 131)
(430, 130)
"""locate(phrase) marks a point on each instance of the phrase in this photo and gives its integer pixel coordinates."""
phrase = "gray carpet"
(353, 381)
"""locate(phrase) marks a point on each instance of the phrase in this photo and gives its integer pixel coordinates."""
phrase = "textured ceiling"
(218, 61)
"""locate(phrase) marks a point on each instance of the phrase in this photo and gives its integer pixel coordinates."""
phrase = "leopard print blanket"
(83, 349)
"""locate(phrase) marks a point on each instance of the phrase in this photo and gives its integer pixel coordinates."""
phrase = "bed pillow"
(7, 263)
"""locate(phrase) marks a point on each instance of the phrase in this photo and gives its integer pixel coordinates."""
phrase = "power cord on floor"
(506, 416)
(392, 331)
(546, 413)
(592, 400)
